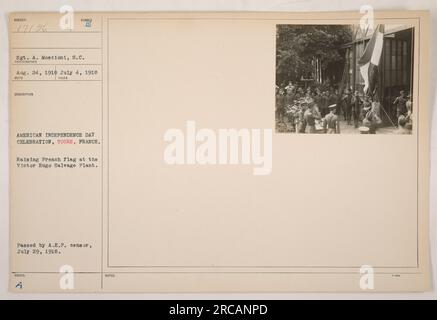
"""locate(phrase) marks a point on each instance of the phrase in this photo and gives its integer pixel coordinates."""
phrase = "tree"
(298, 45)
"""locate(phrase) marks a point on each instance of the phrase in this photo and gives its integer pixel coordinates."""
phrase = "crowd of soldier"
(315, 110)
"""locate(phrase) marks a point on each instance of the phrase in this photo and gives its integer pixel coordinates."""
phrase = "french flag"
(370, 60)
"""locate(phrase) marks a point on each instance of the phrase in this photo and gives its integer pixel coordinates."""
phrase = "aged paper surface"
(120, 181)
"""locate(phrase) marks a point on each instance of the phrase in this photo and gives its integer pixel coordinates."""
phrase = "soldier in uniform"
(409, 105)
(299, 120)
(401, 104)
(367, 103)
(280, 105)
(310, 116)
(331, 123)
(291, 114)
(316, 96)
(346, 103)
(324, 103)
(289, 98)
(409, 117)
(356, 108)
(333, 97)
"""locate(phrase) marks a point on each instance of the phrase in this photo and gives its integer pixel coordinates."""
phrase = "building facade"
(395, 70)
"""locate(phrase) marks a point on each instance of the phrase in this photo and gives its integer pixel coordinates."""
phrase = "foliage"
(298, 45)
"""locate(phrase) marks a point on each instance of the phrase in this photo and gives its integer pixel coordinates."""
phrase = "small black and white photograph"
(344, 79)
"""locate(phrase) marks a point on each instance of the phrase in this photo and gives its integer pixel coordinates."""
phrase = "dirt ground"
(344, 128)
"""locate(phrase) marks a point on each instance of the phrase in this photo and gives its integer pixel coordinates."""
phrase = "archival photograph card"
(219, 152)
